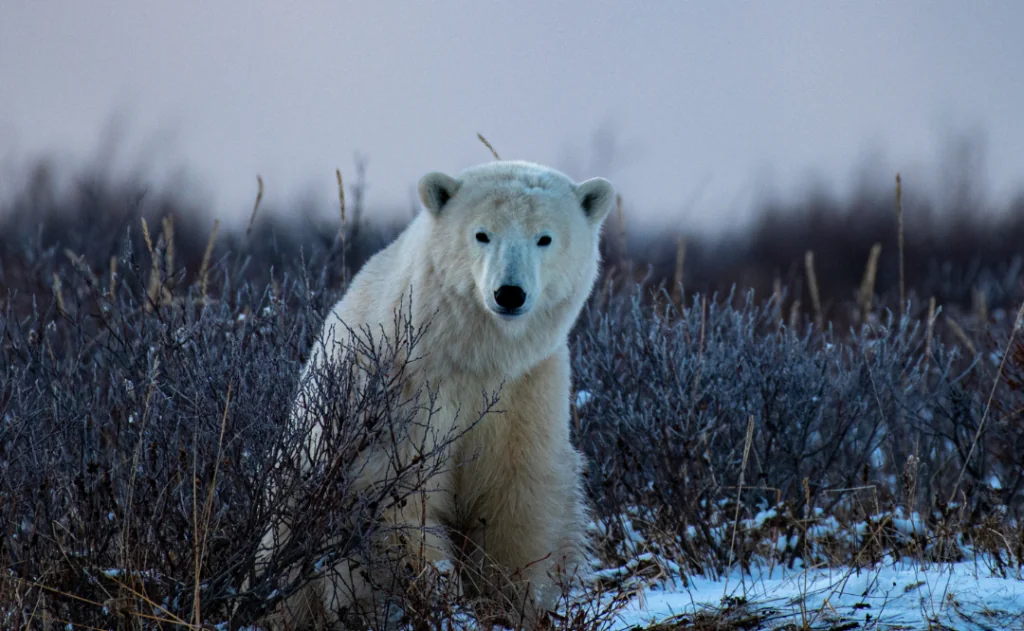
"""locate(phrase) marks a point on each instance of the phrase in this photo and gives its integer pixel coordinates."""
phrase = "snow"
(582, 398)
(908, 594)
(894, 596)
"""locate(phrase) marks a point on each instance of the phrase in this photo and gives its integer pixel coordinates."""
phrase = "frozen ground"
(896, 596)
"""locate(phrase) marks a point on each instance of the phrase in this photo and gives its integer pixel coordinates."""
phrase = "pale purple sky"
(707, 103)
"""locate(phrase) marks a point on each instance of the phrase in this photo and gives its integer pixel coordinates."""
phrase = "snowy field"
(905, 594)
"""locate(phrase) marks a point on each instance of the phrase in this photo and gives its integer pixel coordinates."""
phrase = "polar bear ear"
(435, 191)
(596, 196)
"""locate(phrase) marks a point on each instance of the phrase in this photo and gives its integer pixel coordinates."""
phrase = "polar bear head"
(520, 238)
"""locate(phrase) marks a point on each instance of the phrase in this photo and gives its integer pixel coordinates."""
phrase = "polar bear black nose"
(510, 297)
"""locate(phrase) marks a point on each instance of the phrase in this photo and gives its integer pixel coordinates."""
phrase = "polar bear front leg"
(522, 541)
(417, 534)
(410, 551)
(523, 504)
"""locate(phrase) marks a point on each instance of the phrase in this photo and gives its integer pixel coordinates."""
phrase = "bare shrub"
(668, 396)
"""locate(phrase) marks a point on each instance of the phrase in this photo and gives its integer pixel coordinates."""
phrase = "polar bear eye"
(544, 241)
(482, 237)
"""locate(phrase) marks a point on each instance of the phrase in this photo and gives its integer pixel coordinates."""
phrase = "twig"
(899, 237)
(928, 341)
(867, 285)
(204, 267)
(739, 493)
(341, 196)
(168, 225)
(812, 282)
(488, 145)
(961, 335)
(677, 278)
(794, 316)
(58, 294)
(113, 276)
(255, 206)
(208, 508)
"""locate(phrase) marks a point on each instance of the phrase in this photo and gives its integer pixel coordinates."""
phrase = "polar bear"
(498, 266)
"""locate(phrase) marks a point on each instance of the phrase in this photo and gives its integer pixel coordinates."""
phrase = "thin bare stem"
(739, 492)
(929, 333)
(867, 285)
(899, 238)
(488, 145)
(812, 282)
(113, 276)
(341, 195)
(1017, 323)
(961, 335)
(204, 267)
(208, 508)
(58, 294)
(168, 226)
(256, 205)
(677, 278)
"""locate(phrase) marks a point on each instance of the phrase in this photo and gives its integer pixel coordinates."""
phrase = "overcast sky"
(703, 106)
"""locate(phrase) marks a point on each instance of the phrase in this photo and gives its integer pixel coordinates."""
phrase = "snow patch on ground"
(896, 596)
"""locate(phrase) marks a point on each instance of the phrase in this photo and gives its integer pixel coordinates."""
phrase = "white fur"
(516, 492)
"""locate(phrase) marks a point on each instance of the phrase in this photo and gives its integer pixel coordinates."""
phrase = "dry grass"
(489, 146)
(255, 205)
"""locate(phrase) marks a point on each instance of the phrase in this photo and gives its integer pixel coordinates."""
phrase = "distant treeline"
(967, 258)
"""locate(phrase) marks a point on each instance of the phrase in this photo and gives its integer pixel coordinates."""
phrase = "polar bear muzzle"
(510, 298)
